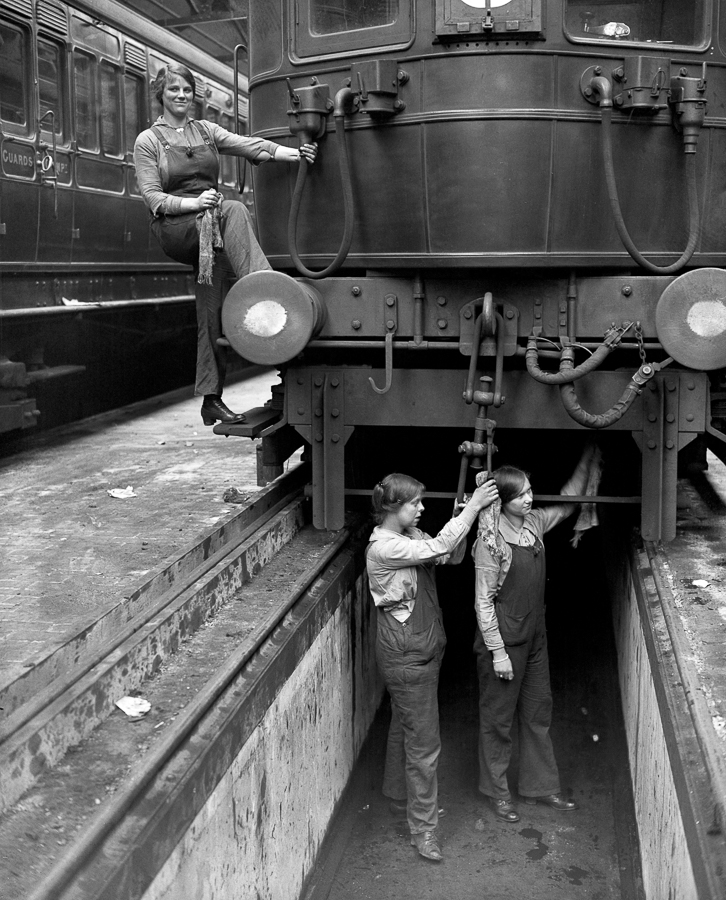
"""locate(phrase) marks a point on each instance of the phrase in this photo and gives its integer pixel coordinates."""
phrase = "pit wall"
(655, 761)
(261, 829)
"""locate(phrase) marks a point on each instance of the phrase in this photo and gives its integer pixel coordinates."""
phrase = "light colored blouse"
(392, 558)
(152, 171)
(490, 572)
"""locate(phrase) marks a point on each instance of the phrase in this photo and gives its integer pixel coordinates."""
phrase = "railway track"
(203, 640)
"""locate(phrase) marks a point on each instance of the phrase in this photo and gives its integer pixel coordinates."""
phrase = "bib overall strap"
(160, 137)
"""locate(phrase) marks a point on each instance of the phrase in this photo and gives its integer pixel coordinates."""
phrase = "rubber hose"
(348, 205)
(604, 420)
(564, 376)
(694, 212)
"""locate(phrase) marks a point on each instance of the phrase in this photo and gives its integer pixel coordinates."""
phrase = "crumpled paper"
(134, 707)
(122, 493)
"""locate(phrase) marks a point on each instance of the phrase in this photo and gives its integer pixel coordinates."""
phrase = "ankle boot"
(214, 409)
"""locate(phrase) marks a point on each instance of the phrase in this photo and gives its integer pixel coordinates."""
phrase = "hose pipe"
(568, 371)
(694, 212)
(342, 99)
(616, 411)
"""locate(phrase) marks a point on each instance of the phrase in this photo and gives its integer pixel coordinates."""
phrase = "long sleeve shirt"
(152, 172)
(392, 558)
(490, 573)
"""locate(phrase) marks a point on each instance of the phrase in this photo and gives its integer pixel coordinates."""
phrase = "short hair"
(509, 481)
(166, 73)
(392, 492)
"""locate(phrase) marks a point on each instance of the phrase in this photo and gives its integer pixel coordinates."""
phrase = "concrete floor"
(71, 550)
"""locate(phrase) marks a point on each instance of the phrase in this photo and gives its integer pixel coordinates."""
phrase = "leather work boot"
(504, 809)
(427, 846)
(554, 801)
(214, 408)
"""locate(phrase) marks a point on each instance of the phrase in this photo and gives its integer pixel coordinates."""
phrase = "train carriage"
(83, 284)
(514, 237)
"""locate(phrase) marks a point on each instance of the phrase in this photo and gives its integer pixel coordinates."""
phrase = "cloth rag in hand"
(210, 239)
(488, 525)
(588, 511)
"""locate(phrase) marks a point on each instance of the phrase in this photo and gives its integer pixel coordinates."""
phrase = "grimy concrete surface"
(70, 550)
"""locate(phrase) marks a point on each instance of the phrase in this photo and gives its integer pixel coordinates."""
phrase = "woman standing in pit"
(410, 641)
(511, 641)
(177, 169)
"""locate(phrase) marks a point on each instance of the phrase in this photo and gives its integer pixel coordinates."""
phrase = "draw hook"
(389, 367)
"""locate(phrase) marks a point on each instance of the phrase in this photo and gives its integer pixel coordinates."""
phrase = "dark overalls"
(409, 657)
(520, 610)
(189, 176)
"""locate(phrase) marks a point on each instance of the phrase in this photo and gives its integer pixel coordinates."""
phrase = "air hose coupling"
(643, 375)
(603, 89)
(688, 104)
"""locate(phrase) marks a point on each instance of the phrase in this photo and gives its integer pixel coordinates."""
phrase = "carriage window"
(110, 111)
(212, 114)
(326, 27)
(50, 86)
(228, 164)
(348, 15)
(134, 118)
(90, 35)
(14, 92)
(639, 21)
(86, 106)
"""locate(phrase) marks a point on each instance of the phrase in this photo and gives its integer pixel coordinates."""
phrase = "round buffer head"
(268, 317)
(690, 319)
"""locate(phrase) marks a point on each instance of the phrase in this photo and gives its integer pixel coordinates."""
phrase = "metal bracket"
(488, 347)
(391, 315)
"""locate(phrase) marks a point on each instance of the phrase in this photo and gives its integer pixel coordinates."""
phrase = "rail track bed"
(87, 818)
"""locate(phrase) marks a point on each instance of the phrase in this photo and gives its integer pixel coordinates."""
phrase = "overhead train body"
(513, 237)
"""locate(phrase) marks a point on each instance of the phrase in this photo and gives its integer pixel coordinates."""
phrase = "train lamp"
(644, 84)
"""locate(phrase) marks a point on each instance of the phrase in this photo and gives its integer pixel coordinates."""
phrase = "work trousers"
(410, 663)
(528, 697)
(241, 255)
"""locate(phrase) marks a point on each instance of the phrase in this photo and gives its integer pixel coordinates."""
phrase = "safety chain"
(639, 339)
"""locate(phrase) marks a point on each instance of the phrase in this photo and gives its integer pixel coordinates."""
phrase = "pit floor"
(588, 853)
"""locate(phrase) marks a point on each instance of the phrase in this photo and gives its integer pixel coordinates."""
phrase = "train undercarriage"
(627, 381)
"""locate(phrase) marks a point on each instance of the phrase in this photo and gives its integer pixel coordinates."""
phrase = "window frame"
(26, 128)
(702, 47)
(62, 135)
(306, 45)
(103, 66)
(77, 53)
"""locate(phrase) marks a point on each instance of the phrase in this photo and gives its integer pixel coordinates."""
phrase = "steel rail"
(59, 687)
(92, 306)
(80, 851)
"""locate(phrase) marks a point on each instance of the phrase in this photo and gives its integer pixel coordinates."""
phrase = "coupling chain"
(639, 338)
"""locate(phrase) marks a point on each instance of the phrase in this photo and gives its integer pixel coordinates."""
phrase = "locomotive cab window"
(638, 21)
(334, 26)
(502, 19)
(14, 79)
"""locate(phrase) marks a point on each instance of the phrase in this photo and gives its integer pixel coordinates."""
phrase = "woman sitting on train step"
(177, 168)
(410, 641)
(511, 641)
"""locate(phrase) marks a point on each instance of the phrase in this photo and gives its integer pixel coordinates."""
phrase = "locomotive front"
(513, 235)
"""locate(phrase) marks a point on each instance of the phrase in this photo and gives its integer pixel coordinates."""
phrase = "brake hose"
(339, 115)
(694, 212)
(617, 410)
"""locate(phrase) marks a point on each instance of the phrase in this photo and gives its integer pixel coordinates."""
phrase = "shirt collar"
(510, 533)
